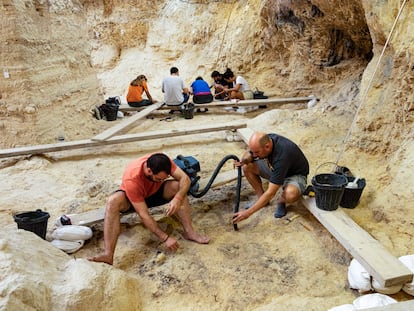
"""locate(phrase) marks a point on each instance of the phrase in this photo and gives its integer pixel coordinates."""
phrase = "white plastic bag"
(358, 277)
(68, 246)
(72, 233)
(372, 300)
(408, 261)
(346, 307)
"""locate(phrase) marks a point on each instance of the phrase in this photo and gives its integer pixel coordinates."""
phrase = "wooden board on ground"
(245, 134)
(126, 123)
(39, 149)
(384, 267)
(94, 216)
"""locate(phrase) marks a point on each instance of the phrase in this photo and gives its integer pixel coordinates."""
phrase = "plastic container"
(351, 196)
(328, 189)
(111, 111)
(188, 110)
(35, 222)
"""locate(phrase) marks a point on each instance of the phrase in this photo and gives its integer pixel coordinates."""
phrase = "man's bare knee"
(116, 203)
(291, 194)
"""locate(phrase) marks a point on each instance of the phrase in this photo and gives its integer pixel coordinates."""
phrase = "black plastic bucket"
(351, 196)
(111, 111)
(328, 189)
(35, 222)
(188, 110)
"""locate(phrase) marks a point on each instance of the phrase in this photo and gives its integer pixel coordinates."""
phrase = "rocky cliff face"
(59, 55)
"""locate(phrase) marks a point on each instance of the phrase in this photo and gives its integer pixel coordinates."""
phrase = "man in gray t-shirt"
(175, 93)
(282, 163)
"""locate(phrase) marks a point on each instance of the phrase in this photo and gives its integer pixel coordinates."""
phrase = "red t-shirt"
(136, 186)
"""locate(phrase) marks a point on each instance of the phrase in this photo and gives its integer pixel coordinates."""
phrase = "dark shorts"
(154, 200)
(142, 103)
(202, 99)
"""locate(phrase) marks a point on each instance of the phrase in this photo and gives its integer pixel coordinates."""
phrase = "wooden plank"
(39, 149)
(94, 216)
(127, 122)
(384, 267)
(126, 107)
(257, 102)
(250, 102)
(175, 132)
(222, 179)
(245, 134)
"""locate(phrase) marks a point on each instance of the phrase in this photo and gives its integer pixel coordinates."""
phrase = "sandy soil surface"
(267, 264)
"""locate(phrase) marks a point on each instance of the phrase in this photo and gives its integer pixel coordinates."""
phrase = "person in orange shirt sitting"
(137, 87)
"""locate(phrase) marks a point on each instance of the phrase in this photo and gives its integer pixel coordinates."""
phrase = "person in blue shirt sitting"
(201, 92)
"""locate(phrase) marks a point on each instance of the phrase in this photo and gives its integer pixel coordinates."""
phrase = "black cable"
(215, 173)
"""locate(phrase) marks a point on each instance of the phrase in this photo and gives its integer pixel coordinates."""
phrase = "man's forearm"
(150, 223)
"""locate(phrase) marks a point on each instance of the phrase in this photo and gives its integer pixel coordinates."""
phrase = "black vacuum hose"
(215, 173)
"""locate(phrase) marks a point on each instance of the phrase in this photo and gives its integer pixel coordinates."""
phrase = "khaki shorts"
(299, 181)
(248, 95)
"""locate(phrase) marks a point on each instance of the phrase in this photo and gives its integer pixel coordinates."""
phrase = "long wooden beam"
(258, 102)
(39, 149)
(250, 102)
(384, 267)
(127, 122)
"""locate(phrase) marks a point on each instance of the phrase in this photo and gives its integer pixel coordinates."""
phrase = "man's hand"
(171, 244)
(239, 216)
(173, 206)
(246, 159)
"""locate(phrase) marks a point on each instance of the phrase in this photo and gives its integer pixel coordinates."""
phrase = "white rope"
(369, 84)
(224, 33)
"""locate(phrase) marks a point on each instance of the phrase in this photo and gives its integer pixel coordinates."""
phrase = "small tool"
(167, 119)
(290, 219)
(305, 226)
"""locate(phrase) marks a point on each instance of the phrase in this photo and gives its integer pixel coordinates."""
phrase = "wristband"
(166, 239)
(178, 197)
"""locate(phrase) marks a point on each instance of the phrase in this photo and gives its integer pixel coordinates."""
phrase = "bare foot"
(196, 237)
(102, 258)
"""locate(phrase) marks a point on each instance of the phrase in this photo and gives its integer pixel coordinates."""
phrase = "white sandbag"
(372, 300)
(346, 307)
(408, 261)
(358, 277)
(68, 246)
(391, 290)
(72, 233)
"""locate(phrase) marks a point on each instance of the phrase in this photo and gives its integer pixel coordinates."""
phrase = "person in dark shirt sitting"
(282, 163)
(220, 85)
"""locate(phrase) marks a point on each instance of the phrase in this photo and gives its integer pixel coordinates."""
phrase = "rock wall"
(387, 104)
(48, 84)
(64, 57)
(53, 280)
